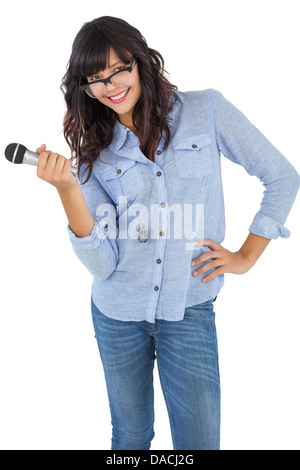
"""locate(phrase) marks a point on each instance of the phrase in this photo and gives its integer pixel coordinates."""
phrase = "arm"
(56, 170)
(80, 219)
(253, 248)
(83, 204)
(242, 143)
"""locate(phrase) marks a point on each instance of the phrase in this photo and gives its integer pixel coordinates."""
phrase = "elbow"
(296, 180)
(103, 274)
(104, 271)
(293, 183)
(99, 264)
(288, 183)
(293, 179)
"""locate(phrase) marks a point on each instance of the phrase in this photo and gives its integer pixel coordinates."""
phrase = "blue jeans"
(187, 358)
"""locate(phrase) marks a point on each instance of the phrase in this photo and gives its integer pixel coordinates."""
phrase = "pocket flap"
(193, 143)
(115, 171)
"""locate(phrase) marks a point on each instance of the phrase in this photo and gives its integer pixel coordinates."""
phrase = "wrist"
(68, 190)
(253, 248)
(247, 259)
(81, 220)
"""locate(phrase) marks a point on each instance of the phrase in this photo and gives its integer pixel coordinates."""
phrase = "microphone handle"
(31, 158)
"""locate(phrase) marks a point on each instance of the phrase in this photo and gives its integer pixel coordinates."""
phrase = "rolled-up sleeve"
(242, 143)
(98, 251)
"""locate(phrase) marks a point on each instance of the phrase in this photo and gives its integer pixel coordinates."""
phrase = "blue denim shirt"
(147, 281)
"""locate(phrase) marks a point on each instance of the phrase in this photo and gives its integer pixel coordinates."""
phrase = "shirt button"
(156, 288)
(158, 261)
(194, 146)
(159, 152)
(163, 204)
(161, 234)
(158, 173)
(119, 171)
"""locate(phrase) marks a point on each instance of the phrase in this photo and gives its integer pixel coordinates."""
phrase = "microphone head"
(15, 153)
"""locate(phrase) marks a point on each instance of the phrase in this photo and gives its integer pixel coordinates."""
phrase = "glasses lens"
(96, 90)
(120, 80)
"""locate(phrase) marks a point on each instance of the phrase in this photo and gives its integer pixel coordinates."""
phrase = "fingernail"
(193, 263)
(204, 279)
(195, 273)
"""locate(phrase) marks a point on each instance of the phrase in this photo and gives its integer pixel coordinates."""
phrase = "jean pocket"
(201, 312)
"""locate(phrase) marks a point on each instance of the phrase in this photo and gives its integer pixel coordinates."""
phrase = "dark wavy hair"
(88, 124)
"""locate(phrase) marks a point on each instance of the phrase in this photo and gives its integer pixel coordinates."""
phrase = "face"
(122, 99)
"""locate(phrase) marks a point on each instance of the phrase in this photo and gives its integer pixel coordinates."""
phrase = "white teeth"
(115, 98)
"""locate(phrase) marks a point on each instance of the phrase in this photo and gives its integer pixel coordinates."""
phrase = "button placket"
(161, 233)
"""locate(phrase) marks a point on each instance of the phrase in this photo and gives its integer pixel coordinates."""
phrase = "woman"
(144, 148)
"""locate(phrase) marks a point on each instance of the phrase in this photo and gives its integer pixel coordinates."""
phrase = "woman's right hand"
(55, 169)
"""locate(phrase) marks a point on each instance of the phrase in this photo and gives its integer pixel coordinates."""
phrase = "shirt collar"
(120, 134)
(121, 131)
(174, 101)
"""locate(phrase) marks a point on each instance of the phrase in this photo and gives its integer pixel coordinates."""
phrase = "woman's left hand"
(224, 260)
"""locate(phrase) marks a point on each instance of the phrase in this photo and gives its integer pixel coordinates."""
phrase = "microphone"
(17, 153)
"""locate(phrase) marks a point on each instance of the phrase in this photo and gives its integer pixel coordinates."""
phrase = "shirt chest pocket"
(124, 177)
(193, 156)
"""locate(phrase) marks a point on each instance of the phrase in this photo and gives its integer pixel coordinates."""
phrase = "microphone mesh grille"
(15, 153)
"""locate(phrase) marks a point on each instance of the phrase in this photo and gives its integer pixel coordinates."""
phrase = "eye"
(118, 69)
(95, 77)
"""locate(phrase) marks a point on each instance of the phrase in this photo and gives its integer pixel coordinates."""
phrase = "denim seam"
(153, 332)
(166, 396)
(208, 320)
(212, 114)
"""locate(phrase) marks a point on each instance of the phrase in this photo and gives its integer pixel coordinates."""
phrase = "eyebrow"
(111, 66)
(116, 63)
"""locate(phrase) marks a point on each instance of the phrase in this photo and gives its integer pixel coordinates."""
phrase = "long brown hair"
(88, 124)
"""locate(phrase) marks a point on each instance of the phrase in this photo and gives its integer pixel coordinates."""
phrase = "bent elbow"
(103, 272)
(295, 181)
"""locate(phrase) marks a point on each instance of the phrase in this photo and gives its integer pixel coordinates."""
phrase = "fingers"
(205, 257)
(59, 165)
(216, 252)
(221, 261)
(46, 163)
(67, 166)
(217, 272)
(42, 148)
(207, 267)
(55, 169)
(207, 242)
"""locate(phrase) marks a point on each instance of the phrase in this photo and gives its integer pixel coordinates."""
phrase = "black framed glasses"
(122, 78)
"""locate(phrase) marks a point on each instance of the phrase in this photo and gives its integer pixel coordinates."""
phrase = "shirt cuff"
(92, 241)
(268, 228)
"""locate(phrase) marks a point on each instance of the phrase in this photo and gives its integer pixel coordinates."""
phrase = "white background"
(53, 393)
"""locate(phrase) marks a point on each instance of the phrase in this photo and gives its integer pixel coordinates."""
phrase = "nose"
(110, 87)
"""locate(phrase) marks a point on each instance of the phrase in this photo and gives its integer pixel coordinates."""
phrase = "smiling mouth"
(119, 98)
